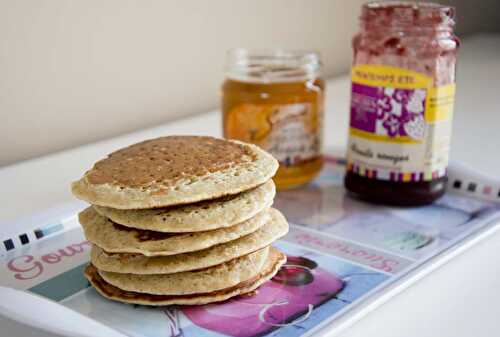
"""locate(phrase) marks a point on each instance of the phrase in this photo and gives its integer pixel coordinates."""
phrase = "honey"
(275, 100)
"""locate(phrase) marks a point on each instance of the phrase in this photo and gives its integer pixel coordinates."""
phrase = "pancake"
(174, 170)
(210, 279)
(275, 260)
(116, 238)
(275, 228)
(202, 216)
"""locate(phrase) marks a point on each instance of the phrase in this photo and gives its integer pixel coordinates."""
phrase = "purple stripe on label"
(364, 107)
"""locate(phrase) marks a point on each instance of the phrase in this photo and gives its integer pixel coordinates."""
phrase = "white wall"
(73, 72)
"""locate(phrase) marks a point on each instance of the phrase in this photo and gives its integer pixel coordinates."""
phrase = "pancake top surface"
(167, 160)
(174, 170)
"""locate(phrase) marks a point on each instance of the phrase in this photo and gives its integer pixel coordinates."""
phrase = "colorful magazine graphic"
(342, 255)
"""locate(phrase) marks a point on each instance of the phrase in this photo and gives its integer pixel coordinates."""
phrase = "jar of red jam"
(403, 86)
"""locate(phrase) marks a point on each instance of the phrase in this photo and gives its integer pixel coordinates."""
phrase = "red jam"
(403, 79)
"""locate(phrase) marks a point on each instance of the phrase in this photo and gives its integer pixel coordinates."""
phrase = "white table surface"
(462, 298)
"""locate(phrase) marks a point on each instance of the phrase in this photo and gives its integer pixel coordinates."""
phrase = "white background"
(77, 71)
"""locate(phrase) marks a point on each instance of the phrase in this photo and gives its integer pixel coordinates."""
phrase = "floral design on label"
(400, 111)
(395, 112)
(400, 124)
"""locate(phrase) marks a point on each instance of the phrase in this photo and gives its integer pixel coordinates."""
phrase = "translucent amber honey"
(279, 108)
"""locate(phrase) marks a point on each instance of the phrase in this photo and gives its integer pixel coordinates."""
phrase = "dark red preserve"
(403, 87)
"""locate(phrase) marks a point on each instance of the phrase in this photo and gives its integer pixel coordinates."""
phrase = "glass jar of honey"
(275, 99)
(403, 86)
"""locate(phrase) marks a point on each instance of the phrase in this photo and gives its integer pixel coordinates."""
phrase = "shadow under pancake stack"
(181, 220)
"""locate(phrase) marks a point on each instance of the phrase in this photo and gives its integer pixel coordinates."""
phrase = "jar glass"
(403, 77)
(275, 99)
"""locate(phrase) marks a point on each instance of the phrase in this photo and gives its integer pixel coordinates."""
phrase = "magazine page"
(342, 254)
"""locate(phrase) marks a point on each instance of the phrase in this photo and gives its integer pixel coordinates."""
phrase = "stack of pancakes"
(181, 220)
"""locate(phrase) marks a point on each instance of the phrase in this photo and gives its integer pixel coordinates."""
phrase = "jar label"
(400, 124)
(290, 132)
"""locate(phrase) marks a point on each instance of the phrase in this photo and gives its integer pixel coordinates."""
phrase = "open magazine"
(345, 257)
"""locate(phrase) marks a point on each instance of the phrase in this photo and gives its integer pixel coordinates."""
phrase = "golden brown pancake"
(275, 261)
(202, 216)
(174, 170)
(275, 228)
(116, 238)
